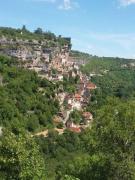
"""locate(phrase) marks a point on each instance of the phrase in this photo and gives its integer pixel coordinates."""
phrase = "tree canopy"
(20, 157)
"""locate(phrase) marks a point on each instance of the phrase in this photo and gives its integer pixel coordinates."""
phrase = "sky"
(99, 27)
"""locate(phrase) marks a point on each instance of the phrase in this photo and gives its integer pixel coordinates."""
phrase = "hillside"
(22, 104)
(64, 114)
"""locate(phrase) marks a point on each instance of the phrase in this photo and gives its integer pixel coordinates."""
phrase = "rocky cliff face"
(27, 50)
(44, 56)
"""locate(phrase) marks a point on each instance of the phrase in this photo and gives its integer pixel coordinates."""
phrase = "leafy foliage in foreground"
(20, 158)
(110, 145)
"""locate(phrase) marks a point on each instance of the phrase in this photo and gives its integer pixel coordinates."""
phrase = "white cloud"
(68, 4)
(126, 2)
(61, 4)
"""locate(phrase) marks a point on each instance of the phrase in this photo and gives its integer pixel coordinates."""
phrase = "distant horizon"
(100, 28)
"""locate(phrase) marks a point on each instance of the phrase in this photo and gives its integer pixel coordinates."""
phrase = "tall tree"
(19, 158)
(24, 28)
(39, 31)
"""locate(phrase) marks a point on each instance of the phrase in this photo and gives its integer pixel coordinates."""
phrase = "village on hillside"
(54, 64)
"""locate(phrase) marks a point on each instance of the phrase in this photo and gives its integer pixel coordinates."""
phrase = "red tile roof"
(76, 130)
(77, 96)
(91, 86)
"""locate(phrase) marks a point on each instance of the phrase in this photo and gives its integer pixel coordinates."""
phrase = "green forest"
(22, 104)
(106, 151)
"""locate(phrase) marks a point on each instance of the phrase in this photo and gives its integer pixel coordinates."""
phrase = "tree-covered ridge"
(99, 65)
(80, 54)
(39, 35)
(26, 101)
(113, 77)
